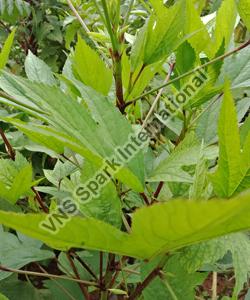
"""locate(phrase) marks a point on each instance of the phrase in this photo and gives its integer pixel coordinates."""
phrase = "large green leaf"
(155, 230)
(72, 122)
(194, 24)
(90, 68)
(232, 174)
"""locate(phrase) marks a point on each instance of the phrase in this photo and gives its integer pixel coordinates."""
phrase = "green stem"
(31, 273)
(118, 80)
(152, 275)
(114, 41)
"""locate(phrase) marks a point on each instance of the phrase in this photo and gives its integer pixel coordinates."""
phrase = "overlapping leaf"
(71, 125)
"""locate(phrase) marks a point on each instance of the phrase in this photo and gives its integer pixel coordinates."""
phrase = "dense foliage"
(125, 149)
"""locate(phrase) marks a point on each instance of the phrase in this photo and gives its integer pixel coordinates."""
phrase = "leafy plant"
(125, 168)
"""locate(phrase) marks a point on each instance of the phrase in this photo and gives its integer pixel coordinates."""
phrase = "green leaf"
(161, 35)
(244, 130)
(232, 174)
(236, 68)
(5, 52)
(117, 292)
(37, 70)
(2, 297)
(244, 11)
(58, 293)
(72, 122)
(16, 253)
(199, 188)
(223, 30)
(201, 38)
(169, 226)
(186, 154)
(15, 178)
(182, 283)
(12, 10)
(90, 68)
(196, 256)
(106, 206)
(14, 288)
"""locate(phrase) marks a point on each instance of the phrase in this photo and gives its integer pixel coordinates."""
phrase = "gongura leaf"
(232, 174)
(15, 253)
(209, 252)
(72, 122)
(155, 230)
(186, 154)
(15, 178)
(160, 36)
(90, 68)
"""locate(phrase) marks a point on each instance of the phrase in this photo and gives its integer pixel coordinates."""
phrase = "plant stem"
(85, 266)
(152, 275)
(145, 198)
(84, 26)
(158, 190)
(158, 96)
(6, 269)
(81, 285)
(171, 292)
(57, 283)
(108, 276)
(113, 38)
(221, 57)
(214, 286)
(101, 268)
(9, 148)
(116, 57)
(118, 80)
(12, 156)
(40, 200)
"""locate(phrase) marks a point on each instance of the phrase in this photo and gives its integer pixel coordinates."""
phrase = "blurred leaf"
(37, 70)
(5, 52)
(244, 11)
(15, 253)
(15, 178)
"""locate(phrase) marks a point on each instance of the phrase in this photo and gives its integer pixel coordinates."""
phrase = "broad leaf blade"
(169, 226)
